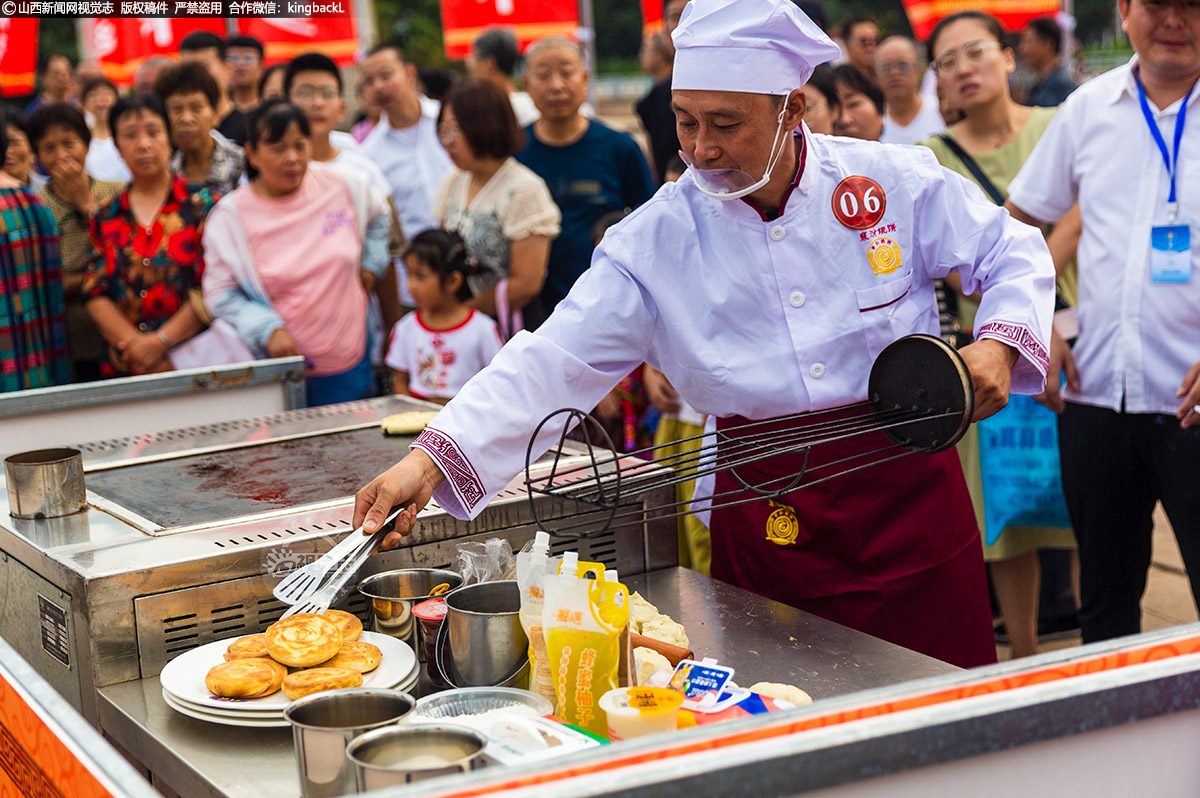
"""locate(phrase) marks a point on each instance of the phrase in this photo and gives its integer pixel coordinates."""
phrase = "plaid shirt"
(74, 245)
(147, 271)
(228, 163)
(33, 332)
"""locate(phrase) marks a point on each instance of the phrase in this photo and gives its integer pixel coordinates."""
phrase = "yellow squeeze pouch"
(583, 619)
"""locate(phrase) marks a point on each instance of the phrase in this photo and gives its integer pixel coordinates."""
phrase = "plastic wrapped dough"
(649, 662)
(640, 611)
(782, 692)
(665, 630)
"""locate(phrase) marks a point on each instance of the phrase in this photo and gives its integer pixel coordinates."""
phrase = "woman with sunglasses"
(993, 139)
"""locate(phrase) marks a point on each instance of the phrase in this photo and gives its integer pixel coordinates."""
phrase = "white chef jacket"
(1137, 338)
(752, 317)
(414, 162)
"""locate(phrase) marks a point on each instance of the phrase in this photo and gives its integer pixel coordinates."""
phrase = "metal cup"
(46, 483)
(404, 754)
(393, 595)
(324, 723)
(488, 645)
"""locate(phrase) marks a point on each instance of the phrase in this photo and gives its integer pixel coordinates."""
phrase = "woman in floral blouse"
(143, 278)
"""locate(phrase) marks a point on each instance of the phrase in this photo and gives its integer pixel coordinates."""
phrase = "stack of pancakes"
(302, 654)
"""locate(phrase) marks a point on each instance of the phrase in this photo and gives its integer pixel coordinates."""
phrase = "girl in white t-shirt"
(443, 343)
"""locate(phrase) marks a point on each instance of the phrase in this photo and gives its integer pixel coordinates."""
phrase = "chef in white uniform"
(764, 283)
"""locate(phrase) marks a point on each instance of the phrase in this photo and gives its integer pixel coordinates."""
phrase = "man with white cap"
(763, 284)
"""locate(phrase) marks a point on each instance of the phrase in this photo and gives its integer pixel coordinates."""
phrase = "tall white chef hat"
(755, 46)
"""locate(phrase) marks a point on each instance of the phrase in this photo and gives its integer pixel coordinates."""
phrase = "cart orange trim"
(1071, 670)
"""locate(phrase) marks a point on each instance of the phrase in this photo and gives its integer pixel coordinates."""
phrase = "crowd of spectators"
(223, 210)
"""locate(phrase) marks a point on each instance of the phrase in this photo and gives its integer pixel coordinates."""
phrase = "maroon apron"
(892, 550)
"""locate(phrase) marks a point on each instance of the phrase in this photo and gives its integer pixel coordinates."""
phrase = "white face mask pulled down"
(730, 184)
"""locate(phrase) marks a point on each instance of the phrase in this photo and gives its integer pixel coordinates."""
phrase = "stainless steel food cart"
(186, 530)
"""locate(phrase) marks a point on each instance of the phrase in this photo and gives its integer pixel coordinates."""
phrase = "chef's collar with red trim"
(791, 187)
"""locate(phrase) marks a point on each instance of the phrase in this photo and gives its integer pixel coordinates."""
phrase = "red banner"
(530, 20)
(1013, 14)
(284, 39)
(121, 45)
(652, 16)
(18, 56)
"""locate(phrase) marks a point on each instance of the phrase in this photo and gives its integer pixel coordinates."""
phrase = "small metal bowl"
(467, 701)
(397, 755)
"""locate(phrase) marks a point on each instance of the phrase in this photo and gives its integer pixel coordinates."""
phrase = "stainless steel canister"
(487, 644)
(393, 595)
(46, 483)
(404, 754)
(323, 724)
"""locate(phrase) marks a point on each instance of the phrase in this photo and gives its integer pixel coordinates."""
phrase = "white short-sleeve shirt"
(413, 161)
(1137, 338)
(439, 362)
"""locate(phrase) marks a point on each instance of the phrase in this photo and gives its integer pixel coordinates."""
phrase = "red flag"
(284, 39)
(18, 55)
(652, 16)
(120, 45)
(530, 20)
(1014, 15)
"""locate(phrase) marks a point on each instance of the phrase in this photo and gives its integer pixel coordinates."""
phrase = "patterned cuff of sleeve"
(1021, 338)
(461, 476)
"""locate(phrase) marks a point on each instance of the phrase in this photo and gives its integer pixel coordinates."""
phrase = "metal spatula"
(302, 583)
(335, 588)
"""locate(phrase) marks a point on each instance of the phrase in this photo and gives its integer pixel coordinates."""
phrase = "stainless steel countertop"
(766, 641)
(762, 639)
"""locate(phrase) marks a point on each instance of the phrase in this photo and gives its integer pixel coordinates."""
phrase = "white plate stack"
(184, 691)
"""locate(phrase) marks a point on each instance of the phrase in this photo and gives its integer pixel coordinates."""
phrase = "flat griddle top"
(217, 486)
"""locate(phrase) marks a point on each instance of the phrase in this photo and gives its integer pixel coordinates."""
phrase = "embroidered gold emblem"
(883, 255)
(782, 525)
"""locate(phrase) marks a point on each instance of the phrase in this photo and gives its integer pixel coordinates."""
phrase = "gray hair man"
(910, 117)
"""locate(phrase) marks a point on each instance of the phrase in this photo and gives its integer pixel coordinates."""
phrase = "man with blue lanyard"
(1130, 422)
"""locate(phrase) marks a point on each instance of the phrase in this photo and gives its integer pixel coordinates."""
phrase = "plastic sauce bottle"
(532, 583)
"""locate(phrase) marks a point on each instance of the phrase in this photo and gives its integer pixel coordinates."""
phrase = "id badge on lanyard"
(1170, 244)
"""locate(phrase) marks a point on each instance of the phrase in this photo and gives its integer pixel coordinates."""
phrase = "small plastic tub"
(430, 614)
(637, 711)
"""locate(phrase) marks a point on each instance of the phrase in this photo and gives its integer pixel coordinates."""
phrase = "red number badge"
(858, 202)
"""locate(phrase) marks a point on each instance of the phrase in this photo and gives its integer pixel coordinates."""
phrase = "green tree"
(417, 24)
(56, 36)
(618, 34)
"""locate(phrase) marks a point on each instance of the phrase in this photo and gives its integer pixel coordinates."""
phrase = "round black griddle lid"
(923, 374)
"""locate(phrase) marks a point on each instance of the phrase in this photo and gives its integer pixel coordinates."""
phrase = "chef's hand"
(281, 344)
(368, 281)
(410, 482)
(660, 390)
(1061, 361)
(991, 364)
(1190, 391)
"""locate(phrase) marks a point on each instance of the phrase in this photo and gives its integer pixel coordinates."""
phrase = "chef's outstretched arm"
(475, 446)
(1007, 262)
